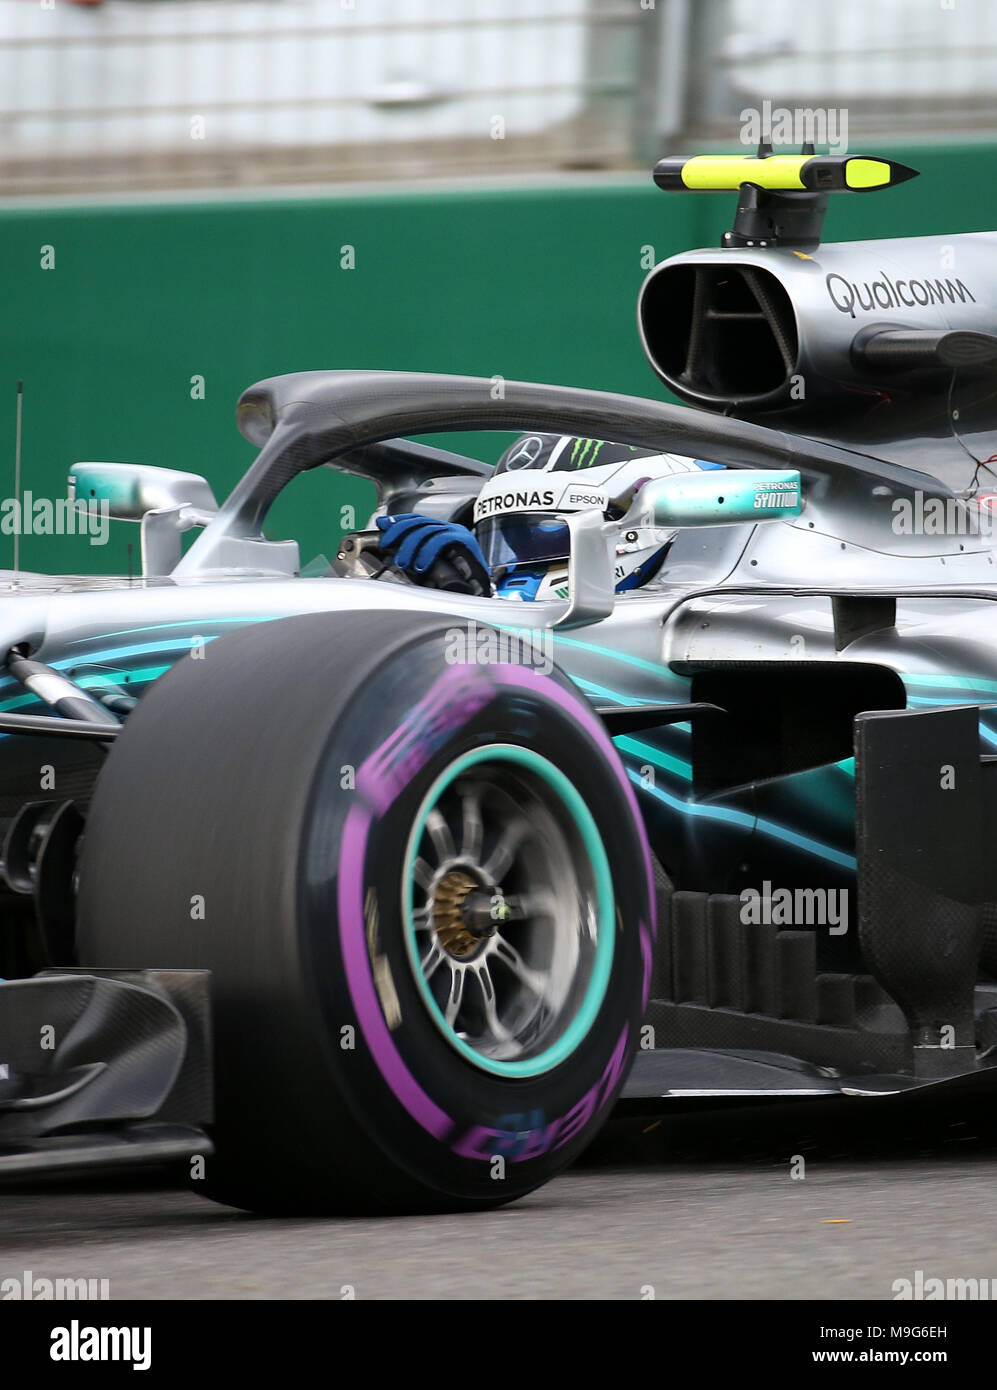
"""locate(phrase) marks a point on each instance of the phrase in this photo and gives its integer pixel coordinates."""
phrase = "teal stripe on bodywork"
(140, 676)
(742, 818)
(656, 668)
(635, 748)
(183, 622)
(933, 682)
(139, 649)
(657, 756)
(679, 768)
(942, 701)
(604, 693)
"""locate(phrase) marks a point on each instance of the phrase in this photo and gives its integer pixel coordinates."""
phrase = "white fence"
(918, 67)
(149, 93)
(245, 90)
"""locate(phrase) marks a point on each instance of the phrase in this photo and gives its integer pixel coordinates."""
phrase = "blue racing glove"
(439, 554)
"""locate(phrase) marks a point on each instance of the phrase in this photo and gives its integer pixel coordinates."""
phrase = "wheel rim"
(509, 910)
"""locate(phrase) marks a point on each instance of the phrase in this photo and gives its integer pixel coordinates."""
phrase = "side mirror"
(132, 489)
(715, 497)
(166, 501)
(591, 582)
(720, 497)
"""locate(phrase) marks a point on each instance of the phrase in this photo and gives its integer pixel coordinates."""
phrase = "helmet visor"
(534, 538)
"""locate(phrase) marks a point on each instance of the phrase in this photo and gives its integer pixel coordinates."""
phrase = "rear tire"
(273, 812)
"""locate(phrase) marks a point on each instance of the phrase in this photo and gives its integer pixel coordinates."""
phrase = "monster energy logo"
(580, 452)
(585, 453)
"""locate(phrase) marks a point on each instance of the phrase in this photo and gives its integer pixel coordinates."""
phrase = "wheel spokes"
(504, 840)
(502, 856)
(496, 1027)
(524, 907)
(472, 827)
(455, 996)
(525, 974)
(433, 959)
(439, 833)
(423, 875)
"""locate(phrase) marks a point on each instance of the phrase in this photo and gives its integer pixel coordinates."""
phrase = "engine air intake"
(720, 335)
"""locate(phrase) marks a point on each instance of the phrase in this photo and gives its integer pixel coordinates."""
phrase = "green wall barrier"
(153, 317)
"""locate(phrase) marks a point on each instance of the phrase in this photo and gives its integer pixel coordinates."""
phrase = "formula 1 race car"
(371, 894)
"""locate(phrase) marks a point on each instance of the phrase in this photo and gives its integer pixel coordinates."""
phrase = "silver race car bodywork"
(802, 701)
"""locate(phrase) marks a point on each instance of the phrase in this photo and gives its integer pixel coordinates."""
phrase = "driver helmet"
(520, 513)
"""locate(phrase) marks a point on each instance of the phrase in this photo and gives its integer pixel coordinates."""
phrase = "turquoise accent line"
(139, 677)
(988, 735)
(606, 694)
(178, 645)
(694, 808)
(950, 682)
(940, 700)
(626, 744)
(579, 1027)
(654, 667)
(20, 701)
(182, 622)
(793, 837)
(139, 649)
(731, 817)
(624, 701)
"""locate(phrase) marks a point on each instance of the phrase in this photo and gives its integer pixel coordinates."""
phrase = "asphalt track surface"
(688, 1206)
